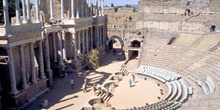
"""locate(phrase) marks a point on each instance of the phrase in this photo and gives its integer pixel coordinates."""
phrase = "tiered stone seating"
(177, 89)
(185, 40)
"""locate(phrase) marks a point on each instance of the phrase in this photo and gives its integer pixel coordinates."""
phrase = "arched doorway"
(212, 28)
(115, 43)
(134, 51)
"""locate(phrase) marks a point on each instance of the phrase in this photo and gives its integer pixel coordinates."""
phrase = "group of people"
(97, 89)
(84, 86)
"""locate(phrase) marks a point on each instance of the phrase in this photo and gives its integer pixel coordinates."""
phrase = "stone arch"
(115, 37)
(111, 39)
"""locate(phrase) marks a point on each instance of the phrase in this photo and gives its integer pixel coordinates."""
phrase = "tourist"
(133, 78)
(85, 80)
(72, 83)
(130, 82)
(84, 87)
(94, 88)
(106, 92)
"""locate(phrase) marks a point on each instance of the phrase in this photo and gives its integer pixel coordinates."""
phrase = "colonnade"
(26, 10)
(23, 70)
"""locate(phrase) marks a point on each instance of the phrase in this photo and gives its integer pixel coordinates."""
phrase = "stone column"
(91, 37)
(17, 12)
(79, 43)
(32, 64)
(28, 11)
(51, 9)
(74, 45)
(37, 11)
(87, 41)
(64, 44)
(47, 59)
(6, 16)
(97, 7)
(86, 6)
(54, 48)
(60, 50)
(24, 12)
(89, 7)
(11, 72)
(83, 42)
(102, 7)
(72, 9)
(82, 7)
(100, 36)
(102, 32)
(91, 10)
(41, 62)
(77, 9)
(62, 9)
(23, 67)
(97, 36)
(100, 13)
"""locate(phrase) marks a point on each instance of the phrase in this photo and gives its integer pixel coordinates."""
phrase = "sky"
(115, 2)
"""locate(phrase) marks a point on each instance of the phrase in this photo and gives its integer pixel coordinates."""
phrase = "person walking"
(72, 83)
(84, 87)
(133, 78)
(130, 82)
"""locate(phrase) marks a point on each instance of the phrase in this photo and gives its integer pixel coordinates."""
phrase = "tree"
(112, 5)
(128, 6)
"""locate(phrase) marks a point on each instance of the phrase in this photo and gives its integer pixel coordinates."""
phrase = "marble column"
(64, 44)
(32, 63)
(54, 48)
(41, 61)
(24, 12)
(60, 50)
(91, 8)
(72, 9)
(83, 42)
(102, 7)
(47, 59)
(17, 12)
(103, 35)
(77, 9)
(5, 11)
(87, 41)
(74, 45)
(97, 36)
(82, 8)
(12, 71)
(97, 7)
(86, 8)
(51, 9)
(91, 37)
(28, 11)
(100, 13)
(79, 43)
(37, 11)
(100, 37)
(62, 9)
(22, 66)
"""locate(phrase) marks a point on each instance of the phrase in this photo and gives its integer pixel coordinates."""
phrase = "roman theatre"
(168, 50)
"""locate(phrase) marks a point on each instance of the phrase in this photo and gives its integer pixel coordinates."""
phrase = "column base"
(50, 74)
(14, 92)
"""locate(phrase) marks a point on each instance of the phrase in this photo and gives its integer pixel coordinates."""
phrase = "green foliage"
(95, 57)
(112, 5)
(128, 6)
